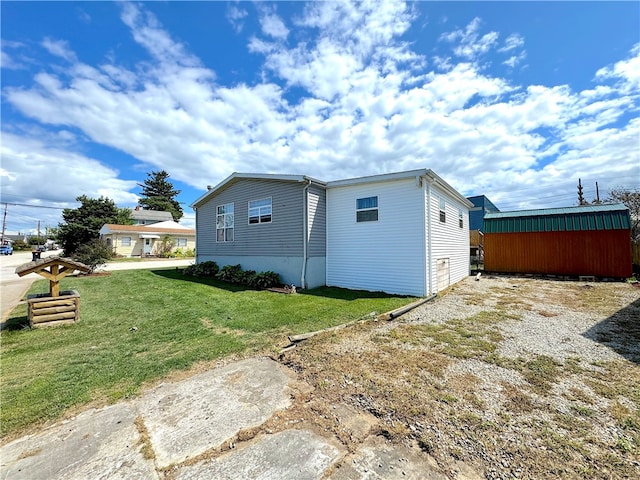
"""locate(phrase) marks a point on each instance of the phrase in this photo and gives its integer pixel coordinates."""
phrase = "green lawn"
(138, 325)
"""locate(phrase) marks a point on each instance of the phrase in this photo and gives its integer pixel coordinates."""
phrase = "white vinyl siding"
(387, 255)
(449, 242)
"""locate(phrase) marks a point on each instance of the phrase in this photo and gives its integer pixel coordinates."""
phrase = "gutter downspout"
(428, 182)
(305, 221)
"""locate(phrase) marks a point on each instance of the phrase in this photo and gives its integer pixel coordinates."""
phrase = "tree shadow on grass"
(620, 332)
(15, 323)
(212, 282)
(327, 292)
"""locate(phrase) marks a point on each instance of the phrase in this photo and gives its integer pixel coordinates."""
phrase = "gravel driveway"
(500, 378)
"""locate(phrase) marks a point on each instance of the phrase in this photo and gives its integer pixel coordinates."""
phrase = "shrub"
(231, 274)
(207, 269)
(267, 279)
(21, 245)
(93, 254)
(164, 247)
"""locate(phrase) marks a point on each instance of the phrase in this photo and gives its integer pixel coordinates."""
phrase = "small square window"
(125, 242)
(260, 211)
(367, 209)
(181, 242)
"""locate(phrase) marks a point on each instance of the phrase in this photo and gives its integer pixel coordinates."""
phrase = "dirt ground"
(499, 378)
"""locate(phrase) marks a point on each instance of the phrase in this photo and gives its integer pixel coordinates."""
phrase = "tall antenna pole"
(580, 197)
(597, 194)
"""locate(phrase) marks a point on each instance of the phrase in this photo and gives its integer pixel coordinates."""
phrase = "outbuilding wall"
(601, 253)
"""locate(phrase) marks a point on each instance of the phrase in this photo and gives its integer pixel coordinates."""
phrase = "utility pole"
(597, 194)
(4, 223)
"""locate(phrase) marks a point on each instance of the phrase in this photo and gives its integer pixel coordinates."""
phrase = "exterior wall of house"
(449, 249)
(601, 253)
(275, 246)
(384, 255)
(136, 244)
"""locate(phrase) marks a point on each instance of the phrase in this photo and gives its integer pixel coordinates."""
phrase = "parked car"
(6, 250)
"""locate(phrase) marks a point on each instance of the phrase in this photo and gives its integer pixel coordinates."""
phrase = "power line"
(31, 206)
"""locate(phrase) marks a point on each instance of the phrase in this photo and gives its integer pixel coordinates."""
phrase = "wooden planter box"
(46, 311)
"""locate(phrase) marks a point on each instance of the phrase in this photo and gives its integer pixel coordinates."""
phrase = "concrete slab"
(97, 444)
(378, 459)
(188, 418)
(298, 454)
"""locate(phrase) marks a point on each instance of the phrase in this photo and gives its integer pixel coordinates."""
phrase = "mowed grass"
(138, 326)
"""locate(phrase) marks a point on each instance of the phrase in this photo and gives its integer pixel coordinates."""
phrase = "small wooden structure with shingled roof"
(55, 307)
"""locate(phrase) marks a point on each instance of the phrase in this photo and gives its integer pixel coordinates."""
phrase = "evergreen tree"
(83, 224)
(158, 194)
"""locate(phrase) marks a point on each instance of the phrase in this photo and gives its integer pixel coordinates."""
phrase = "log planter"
(45, 311)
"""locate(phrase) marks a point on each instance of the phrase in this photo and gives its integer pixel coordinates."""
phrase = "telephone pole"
(4, 223)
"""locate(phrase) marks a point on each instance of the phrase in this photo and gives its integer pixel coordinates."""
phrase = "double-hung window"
(181, 242)
(125, 241)
(367, 209)
(260, 211)
(460, 217)
(443, 208)
(224, 223)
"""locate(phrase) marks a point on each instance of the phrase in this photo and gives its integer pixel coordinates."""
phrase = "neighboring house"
(404, 233)
(590, 240)
(144, 240)
(481, 206)
(149, 217)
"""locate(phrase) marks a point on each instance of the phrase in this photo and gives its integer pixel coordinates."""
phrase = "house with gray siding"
(404, 233)
(265, 222)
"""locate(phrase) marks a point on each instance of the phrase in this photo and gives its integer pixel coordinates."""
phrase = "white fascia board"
(258, 176)
(385, 177)
(448, 188)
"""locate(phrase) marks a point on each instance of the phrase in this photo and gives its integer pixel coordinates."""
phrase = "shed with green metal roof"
(588, 240)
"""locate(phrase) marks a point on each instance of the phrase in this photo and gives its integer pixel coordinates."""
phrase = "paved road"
(13, 287)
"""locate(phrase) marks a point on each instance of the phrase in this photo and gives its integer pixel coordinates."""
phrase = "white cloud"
(627, 70)
(469, 44)
(59, 48)
(368, 105)
(236, 15)
(273, 26)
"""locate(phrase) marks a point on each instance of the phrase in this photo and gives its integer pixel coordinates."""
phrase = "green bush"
(234, 274)
(93, 254)
(21, 245)
(264, 280)
(207, 269)
(231, 274)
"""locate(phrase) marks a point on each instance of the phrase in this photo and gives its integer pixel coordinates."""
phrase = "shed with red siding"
(589, 240)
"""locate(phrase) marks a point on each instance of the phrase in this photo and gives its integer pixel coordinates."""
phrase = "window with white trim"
(125, 241)
(367, 209)
(224, 223)
(443, 208)
(181, 242)
(460, 219)
(260, 211)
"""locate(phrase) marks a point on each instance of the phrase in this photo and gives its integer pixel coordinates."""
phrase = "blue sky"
(514, 100)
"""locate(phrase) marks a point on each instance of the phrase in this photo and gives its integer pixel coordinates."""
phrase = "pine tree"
(158, 194)
(82, 225)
